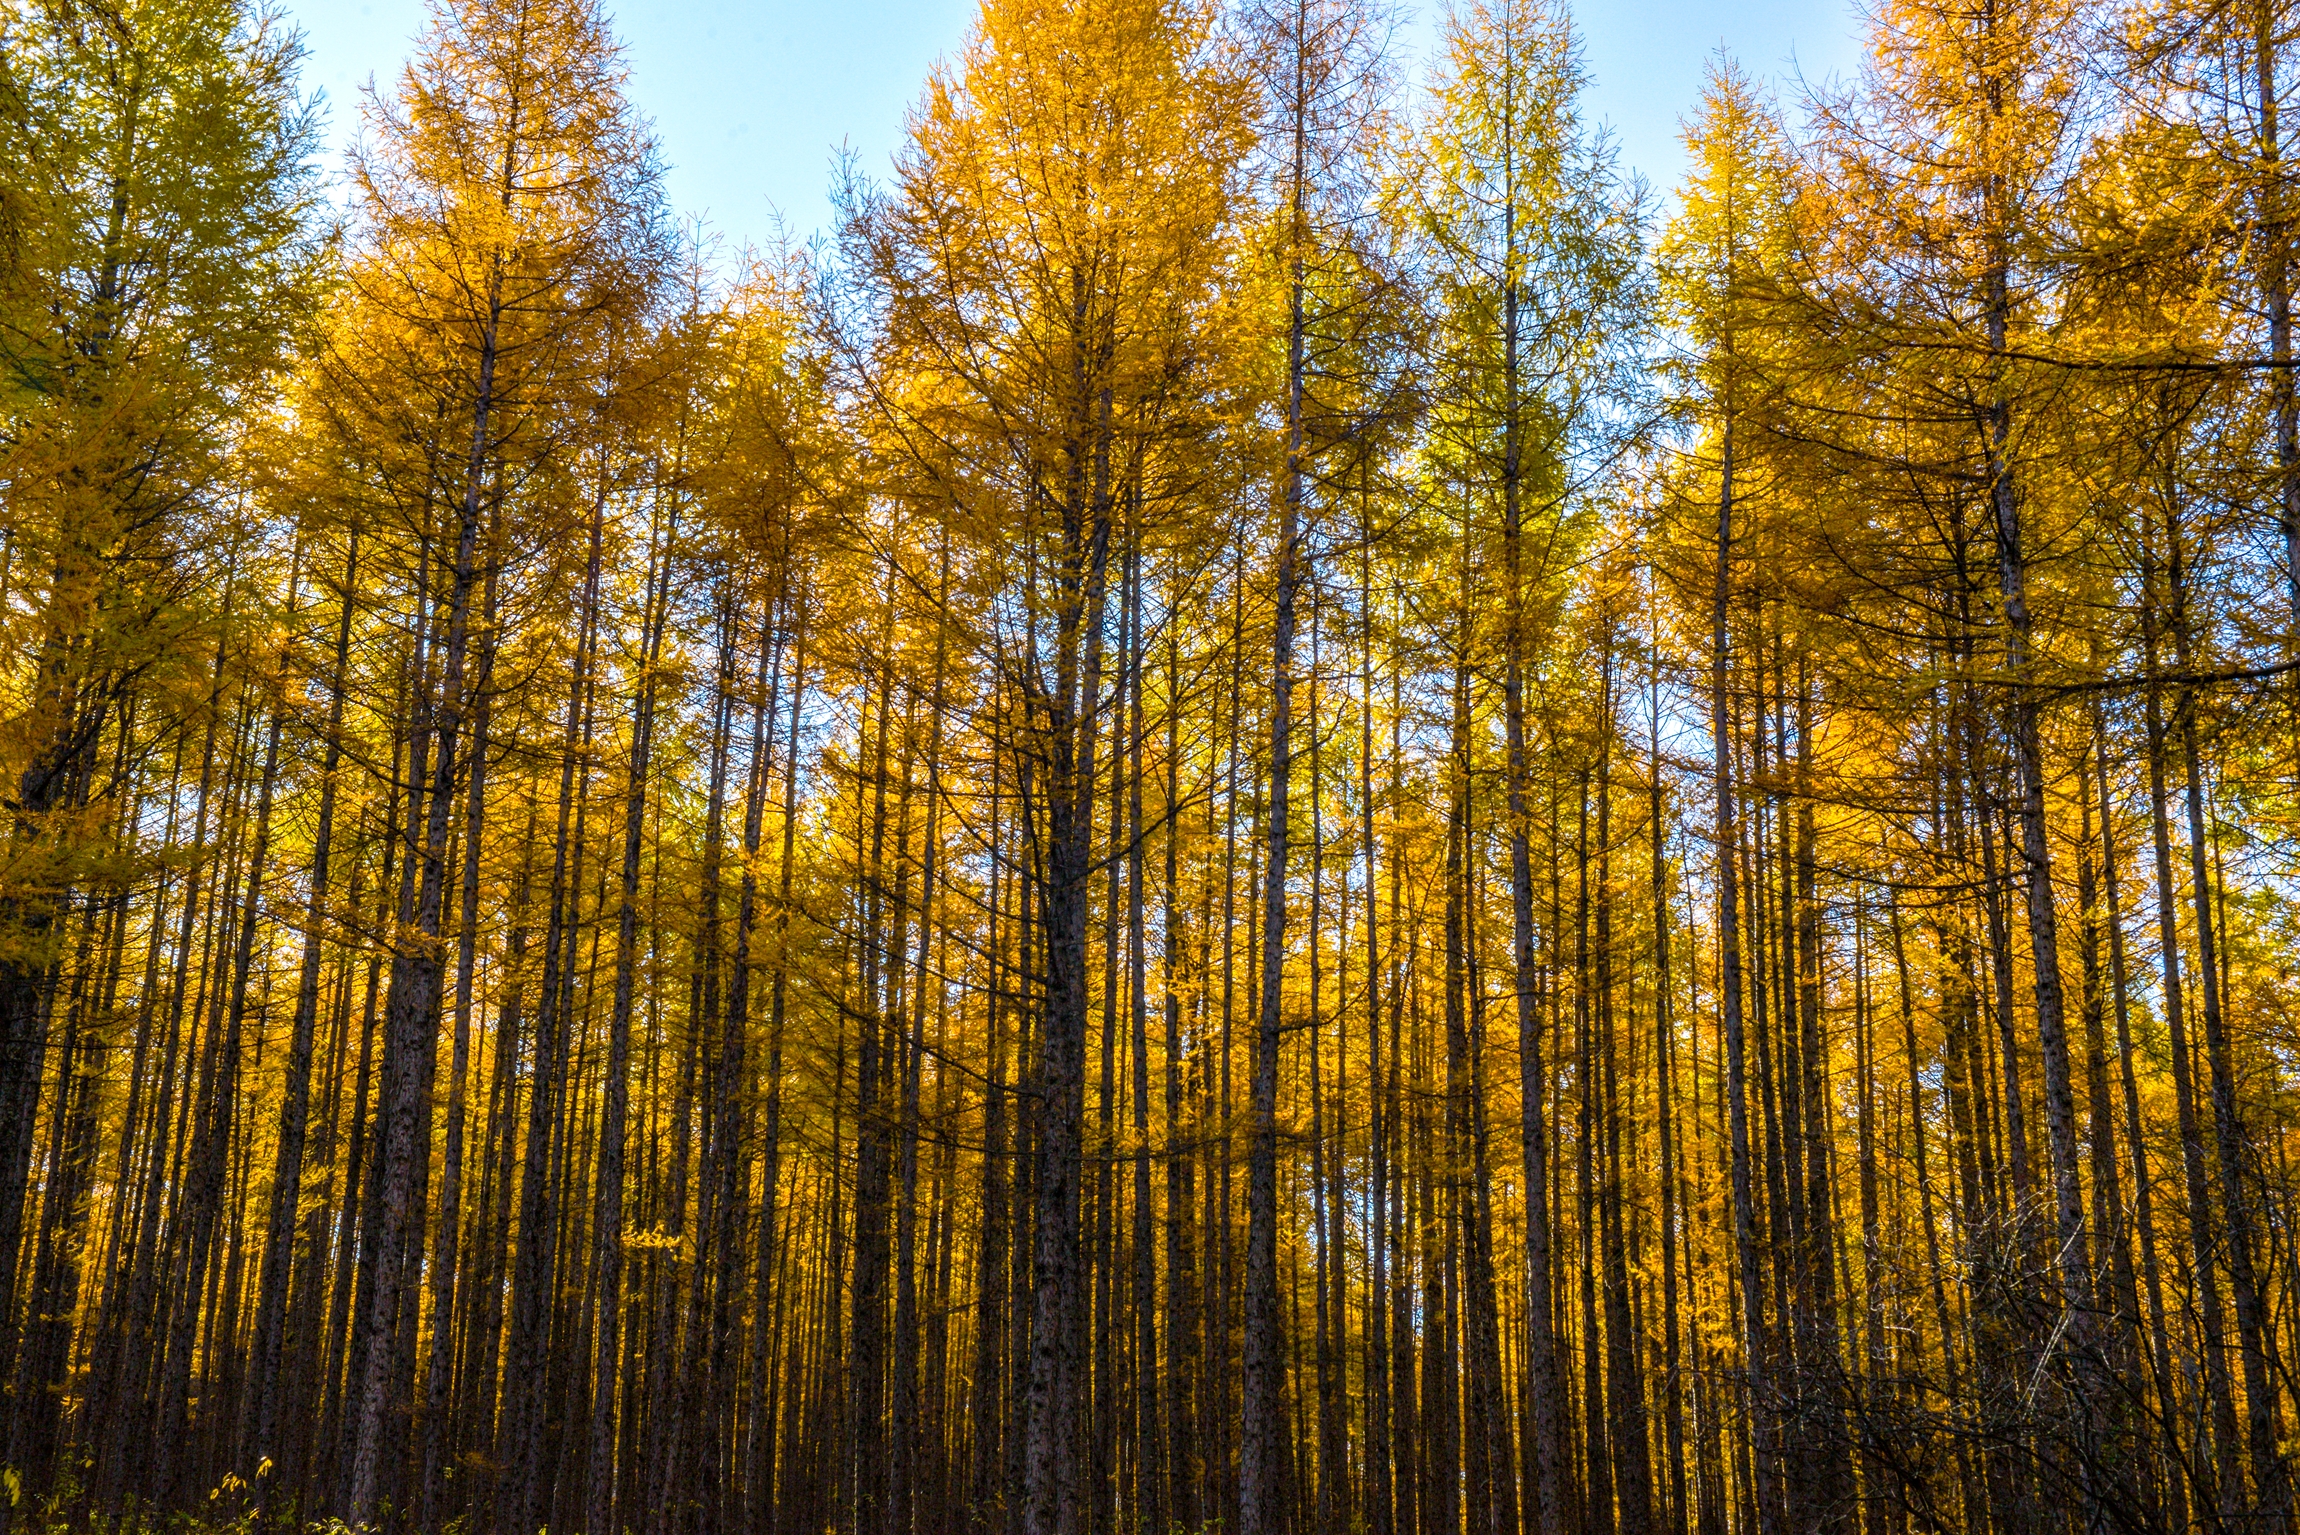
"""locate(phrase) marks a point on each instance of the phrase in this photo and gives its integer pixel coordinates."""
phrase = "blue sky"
(750, 100)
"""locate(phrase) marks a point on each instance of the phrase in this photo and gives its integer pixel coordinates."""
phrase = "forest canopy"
(1276, 806)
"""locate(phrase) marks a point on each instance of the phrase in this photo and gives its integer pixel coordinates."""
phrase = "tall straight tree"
(1039, 272)
(507, 203)
(1729, 243)
(1321, 67)
(1532, 243)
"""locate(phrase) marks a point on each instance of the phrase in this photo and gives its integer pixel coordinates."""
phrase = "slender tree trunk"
(1261, 1511)
(2269, 1473)
(445, 1258)
(1752, 1288)
(521, 1441)
(1070, 715)
(412, 1004)
(608, 1187)
(263, 1418)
